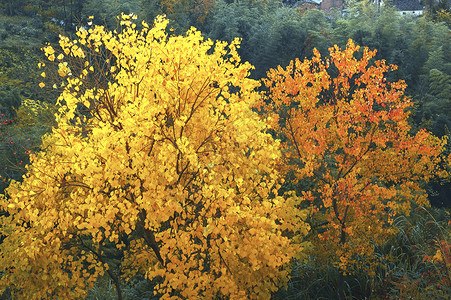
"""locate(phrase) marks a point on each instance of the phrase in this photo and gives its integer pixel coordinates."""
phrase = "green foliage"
(438, 10)
(410, 270)
(19, 74)
(149, 9)
(436, 106)
(440, 86)
(419, 265)
(313, 280)
(65, 13)
(436, 60)
(248, 20)
(9, 99)
(272, 34)
(13, 7)
(105, 12)
(21, 135)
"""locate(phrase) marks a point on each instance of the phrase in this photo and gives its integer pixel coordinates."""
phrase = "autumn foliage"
(345, 129)
(165, 172)
(160, 166)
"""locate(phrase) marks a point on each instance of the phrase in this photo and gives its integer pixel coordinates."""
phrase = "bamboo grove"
(167, 162)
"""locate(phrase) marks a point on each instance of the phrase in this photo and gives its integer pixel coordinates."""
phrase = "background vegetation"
(418, 260)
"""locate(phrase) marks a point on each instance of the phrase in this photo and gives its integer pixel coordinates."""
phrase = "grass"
(408, 270)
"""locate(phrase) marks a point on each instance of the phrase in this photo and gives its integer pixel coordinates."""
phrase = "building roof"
(404, 5)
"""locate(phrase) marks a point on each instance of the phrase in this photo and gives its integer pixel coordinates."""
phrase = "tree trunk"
(341, 277)
(118, 289)
(11, 8)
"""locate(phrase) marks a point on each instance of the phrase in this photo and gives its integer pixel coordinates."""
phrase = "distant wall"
(410, 12)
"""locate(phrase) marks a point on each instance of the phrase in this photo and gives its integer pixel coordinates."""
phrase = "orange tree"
(164, 171)
(345, 128)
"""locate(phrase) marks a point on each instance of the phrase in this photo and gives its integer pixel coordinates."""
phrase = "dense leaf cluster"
(159, 171)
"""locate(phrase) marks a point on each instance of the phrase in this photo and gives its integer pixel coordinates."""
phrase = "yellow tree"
(165, 171)
(345, 128)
